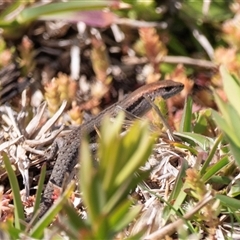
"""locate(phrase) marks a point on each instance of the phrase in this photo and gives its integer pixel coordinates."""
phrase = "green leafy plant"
(229, 120)
(106, 187)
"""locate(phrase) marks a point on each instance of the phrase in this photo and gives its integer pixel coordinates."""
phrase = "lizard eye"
(168, 89)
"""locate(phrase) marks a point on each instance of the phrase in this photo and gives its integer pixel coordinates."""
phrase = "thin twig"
(170, 228)
(173, 60)
(139, 24)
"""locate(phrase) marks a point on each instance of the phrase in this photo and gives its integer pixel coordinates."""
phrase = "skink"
(135, 103)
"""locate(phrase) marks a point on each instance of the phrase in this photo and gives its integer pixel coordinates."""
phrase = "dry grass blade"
(47, 140)
(34, 123)
(52, 120)
(7, 144)
(13, 122)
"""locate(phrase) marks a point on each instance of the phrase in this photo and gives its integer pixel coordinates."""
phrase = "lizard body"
(135, 103)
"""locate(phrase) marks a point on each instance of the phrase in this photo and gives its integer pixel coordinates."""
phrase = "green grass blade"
(222, 107)
(13, 7)
(18, 206)
(192, 150)
(186, 121)
(179, 181)
(203, 141)
(38, 229)
(111, 147)
(211, 154)
(40, 189)
(229, 202)
(234, 123)
(90, 184)
(231, 88)
(144, 148)
(123, 215)
(177, 195)
(215, 168)
(235, 150)
(226, 127)
(76, 225)
(32, 13)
